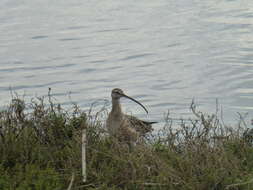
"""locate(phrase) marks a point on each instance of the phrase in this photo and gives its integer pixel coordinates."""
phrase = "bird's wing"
(139, 125)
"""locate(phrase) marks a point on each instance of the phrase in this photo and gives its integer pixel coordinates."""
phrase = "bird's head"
(117, 93)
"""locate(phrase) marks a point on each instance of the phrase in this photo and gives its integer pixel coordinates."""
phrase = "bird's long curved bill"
(135, 102)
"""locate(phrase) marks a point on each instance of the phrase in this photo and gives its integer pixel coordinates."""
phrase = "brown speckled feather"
(142, 127)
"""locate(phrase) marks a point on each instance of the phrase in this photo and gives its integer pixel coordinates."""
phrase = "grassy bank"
(40, 148)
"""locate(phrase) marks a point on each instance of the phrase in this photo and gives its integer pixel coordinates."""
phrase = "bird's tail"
(150, 122)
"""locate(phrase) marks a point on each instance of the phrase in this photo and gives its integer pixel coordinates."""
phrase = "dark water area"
(163, 53)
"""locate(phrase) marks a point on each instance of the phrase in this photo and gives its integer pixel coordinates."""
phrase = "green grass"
(40, 148)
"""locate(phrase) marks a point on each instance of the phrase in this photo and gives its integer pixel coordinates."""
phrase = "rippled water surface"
(163, 53)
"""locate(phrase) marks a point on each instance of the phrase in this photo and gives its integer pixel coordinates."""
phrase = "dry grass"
(40, 148)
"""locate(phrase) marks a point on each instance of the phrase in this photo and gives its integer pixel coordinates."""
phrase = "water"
(163, 53)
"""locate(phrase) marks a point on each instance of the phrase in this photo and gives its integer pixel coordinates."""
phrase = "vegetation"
(40, 149)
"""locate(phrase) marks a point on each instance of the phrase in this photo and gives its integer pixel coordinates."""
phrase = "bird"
(126, 127)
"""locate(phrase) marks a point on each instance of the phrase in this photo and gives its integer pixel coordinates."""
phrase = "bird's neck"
(116, 108)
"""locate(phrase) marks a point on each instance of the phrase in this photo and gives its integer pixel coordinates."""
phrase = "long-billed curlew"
(125, 127)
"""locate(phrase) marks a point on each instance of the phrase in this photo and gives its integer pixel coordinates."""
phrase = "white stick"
(84, 155)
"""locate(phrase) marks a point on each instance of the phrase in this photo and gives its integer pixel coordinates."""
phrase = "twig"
(71, 181)
(239, 184)
(84, 140)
